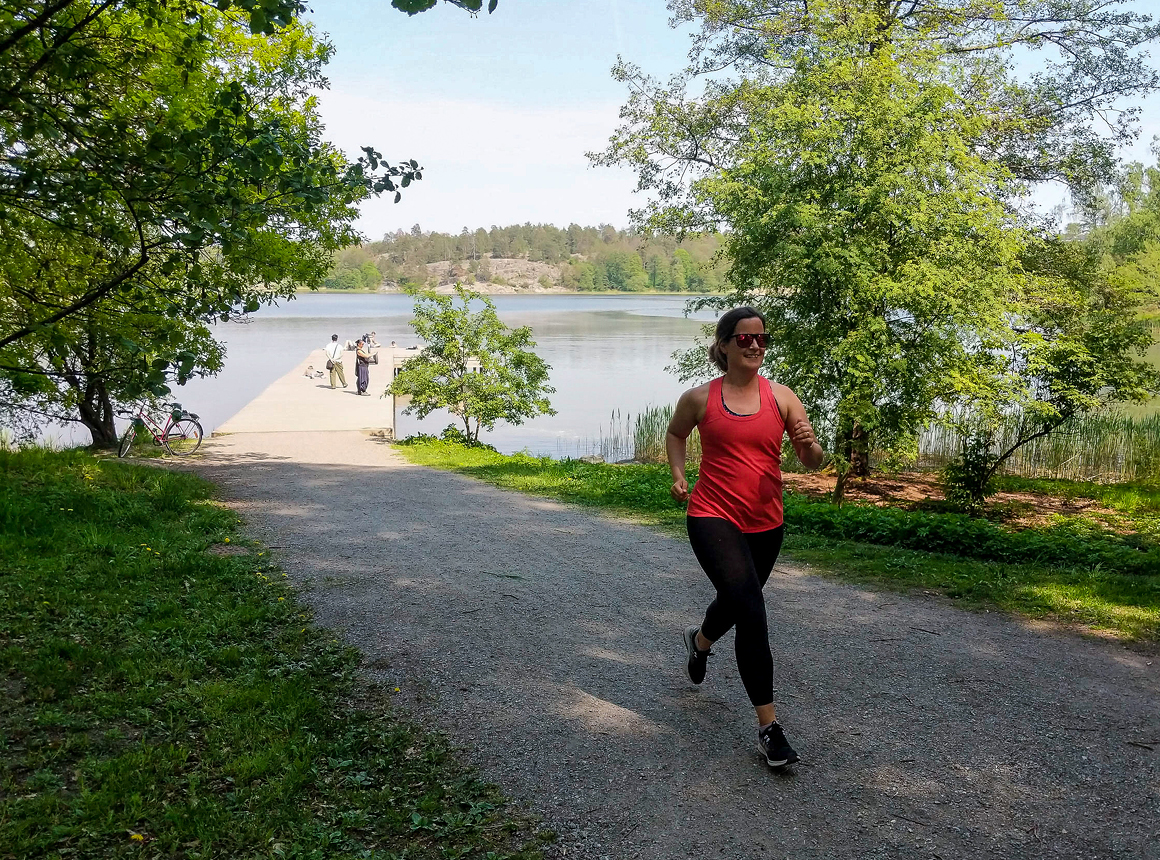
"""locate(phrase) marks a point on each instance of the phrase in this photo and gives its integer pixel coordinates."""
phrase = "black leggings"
(738, 565)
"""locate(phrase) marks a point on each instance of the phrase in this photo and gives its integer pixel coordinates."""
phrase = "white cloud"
(484, 164)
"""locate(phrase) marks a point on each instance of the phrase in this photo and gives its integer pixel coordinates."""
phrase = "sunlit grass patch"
(160, 700)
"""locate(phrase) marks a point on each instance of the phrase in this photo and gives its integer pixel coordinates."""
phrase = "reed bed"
(1103, 449)
(648, 436)
(613, 444)
(628, 438)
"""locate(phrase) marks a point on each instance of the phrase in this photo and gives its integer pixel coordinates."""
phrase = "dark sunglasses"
(744, 340)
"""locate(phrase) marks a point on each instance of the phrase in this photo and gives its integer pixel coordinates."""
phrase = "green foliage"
(186, 155)
(1112, 448)
(354, 269)
(1090, 58)
(1130, 497)
(157, 688)
(967, 479)
(1070, 543)
(166, 168)
(1073, 348)
(164, 165)
(414, 7)
(109, 354)
(866, 164)
(860, 217)
(509, 384)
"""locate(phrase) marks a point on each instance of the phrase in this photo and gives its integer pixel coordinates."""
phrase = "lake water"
(608, 355)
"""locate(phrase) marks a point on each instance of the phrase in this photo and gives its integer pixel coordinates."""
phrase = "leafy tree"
(589, 258)
(160, 159)
(1075, 347)
(864, 162)
(1122, 223)
(1089, 60)
(108, 354)
(625, 271)
(511, 383)
(863, 223)
(160, 144)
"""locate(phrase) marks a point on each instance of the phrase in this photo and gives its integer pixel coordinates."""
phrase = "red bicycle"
(180, 435)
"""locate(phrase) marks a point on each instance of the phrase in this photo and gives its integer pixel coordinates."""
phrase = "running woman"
(735, 511)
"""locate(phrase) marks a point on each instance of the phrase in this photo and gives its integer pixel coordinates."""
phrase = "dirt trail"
(545, 640)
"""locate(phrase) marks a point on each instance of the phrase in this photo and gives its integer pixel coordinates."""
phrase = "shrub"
(1075, 542)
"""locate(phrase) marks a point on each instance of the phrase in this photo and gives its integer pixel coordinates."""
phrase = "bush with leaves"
(473, 365)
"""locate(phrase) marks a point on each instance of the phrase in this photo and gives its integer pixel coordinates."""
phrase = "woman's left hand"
(802, 433)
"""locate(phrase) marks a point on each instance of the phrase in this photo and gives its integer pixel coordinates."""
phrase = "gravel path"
(545, 640)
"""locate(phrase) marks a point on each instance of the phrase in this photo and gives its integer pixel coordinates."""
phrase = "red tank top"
(740, 478)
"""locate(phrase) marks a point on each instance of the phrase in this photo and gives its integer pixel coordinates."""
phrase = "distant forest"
(576, 258)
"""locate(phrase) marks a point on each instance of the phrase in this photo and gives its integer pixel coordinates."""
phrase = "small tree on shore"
(510, 384)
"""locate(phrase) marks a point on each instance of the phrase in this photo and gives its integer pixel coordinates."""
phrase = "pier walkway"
(298, 403)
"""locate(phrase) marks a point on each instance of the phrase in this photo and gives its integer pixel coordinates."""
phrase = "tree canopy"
(588, 258)
(160, 158)
(866, 164)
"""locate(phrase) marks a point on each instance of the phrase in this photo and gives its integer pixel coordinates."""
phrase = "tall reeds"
(640, 439)
(1105, 449)
(648, 437)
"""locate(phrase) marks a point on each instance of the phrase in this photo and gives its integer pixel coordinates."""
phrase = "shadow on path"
(546, 640)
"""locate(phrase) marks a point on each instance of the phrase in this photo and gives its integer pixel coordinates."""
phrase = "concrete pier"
(298, 403)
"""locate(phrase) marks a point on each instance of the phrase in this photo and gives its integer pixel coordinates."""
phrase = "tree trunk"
(859, 453)
(853, 460)
(840, 487)
(96, 413)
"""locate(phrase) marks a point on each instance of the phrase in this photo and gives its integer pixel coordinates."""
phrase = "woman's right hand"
(680, 490)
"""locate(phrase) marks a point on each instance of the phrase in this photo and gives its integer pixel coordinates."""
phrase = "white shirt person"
(333, 352)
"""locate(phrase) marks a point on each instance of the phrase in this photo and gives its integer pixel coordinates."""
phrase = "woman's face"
(746, 357)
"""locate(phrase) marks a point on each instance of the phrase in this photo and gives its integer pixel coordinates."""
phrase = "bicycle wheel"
(127, 440)
(183, 437)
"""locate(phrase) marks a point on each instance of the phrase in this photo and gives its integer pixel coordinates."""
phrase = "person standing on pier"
(735, 517)
(362, 358)
(333, 352)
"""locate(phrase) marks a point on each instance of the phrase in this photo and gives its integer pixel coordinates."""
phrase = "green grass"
(1125, 604)
(1132, 497)
(165, 695)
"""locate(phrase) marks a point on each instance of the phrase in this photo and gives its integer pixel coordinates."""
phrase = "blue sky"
(500, 109)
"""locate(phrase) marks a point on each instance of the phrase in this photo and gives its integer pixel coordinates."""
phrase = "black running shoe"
(773, 745)
(695, 665)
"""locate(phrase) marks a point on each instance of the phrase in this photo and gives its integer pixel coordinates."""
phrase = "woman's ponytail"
(718, 357)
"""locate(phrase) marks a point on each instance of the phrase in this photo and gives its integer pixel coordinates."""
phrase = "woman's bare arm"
(801, 432)
(688, 414)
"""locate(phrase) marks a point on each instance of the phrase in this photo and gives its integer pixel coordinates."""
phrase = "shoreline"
(442, 289)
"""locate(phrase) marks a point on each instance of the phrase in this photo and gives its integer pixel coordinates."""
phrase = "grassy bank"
(1075, 569)
(165, 695)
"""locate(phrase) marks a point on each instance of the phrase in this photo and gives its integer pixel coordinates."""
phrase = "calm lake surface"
(608, 355)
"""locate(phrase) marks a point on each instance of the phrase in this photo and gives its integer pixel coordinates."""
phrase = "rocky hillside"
(503, 276)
